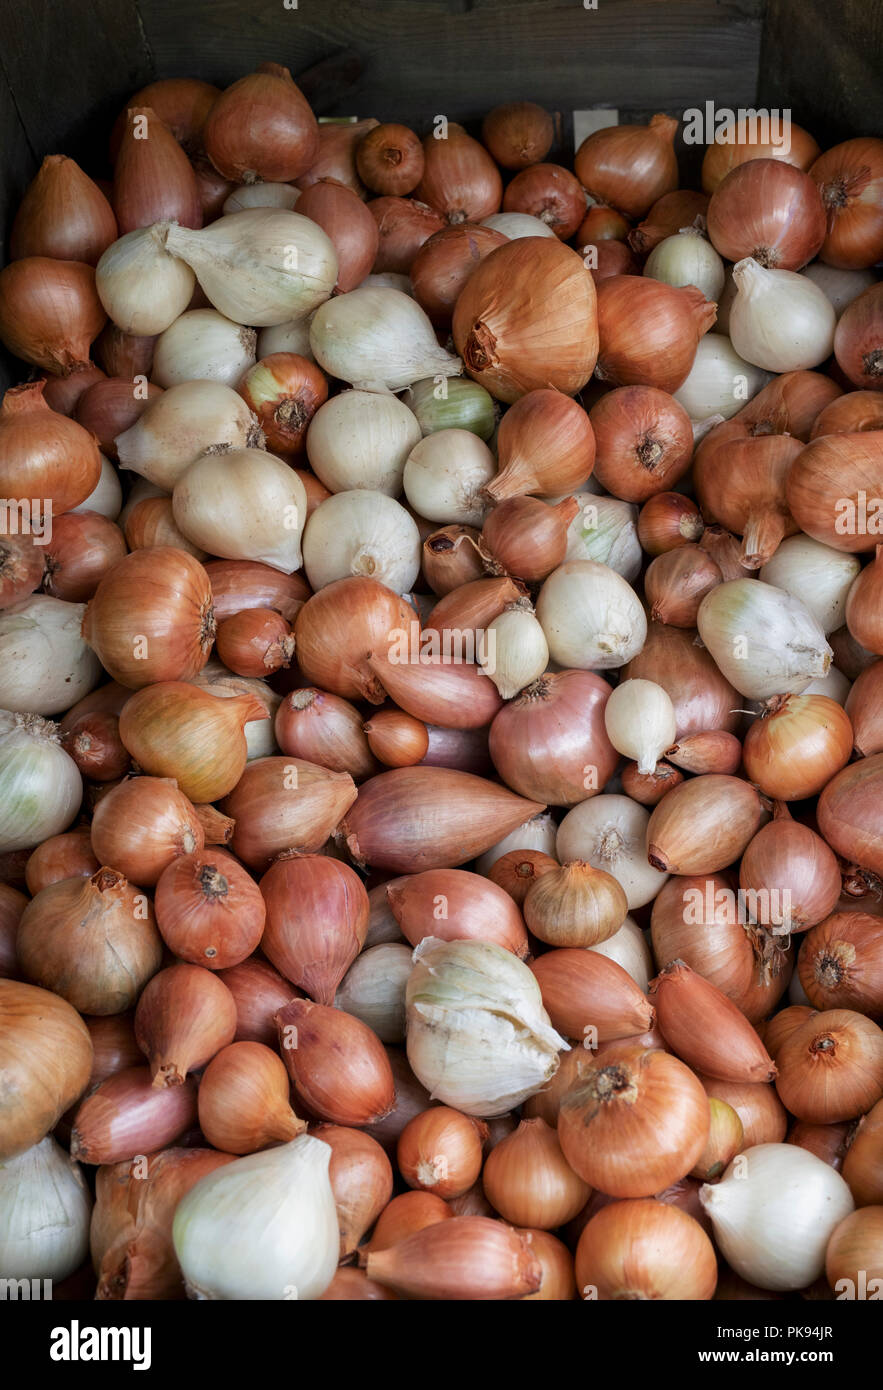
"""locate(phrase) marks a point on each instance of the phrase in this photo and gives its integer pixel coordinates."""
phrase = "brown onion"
(788, 863)
(336, 156)
(259, 992)
(122, 354)
(21, 568)
(588, 995)
(713, 751)
(110, 406)
(337, 1065)
(349, 226)
(864, 606)
(526, 537)
(602, 224)
(763, 1116)
(853, 1262)
(550, 193)
(262, 128)
(450, 558)
(285, 390)
(518, 133)
(769, 210)
(390, 159)
(629, 166)
(676, 583)
(340, 626)
(396, 739)
(324, 729)
(183, 103)
(841, 964)
(529, 1181)
(317, 918)
(703, 825)
(667, 216)
(526, 320)
(453, 905)
(84, 547)
(45, 456)
(63, 215)
(153, 180)
(361, 1181)
(518, 870)
(742, 486)
(240, 584)
(649, 331)
(458, 695)
(243, 1100)
(864, 706)
(545, 445)
(863, 1164)
(850, 413)
(403, 226)
(91, 940)
(742, 142)
(706, 1028)
(12, 905)
(45, 1062)
(127, 1116)
(850, 180)
(184, 1017)
(635, 1124)
(827, 1142)
(141, 825)
(285, 803)
(575, 905)
(459, 180)
(440, 1150)
(645, 1250)
(703, 699)
(643, 442)
(649, 787)
(50, 312)
(831, 1067)
(209, 910)
(834, 489)
(444, 263)
(797, 745)
(255, 642)
(668, 520)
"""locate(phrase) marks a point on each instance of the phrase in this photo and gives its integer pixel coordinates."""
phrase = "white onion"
(179, 426)
(40, 785)
(45, 1208)
(516, 648)
(106, 498)
(143, 289)
(291, 336)
(720, 382)
(773, 1213)
(780, 320)
(362, 439)
(373, 989)
(260, 267)
(444, 476)
(263, 1227)
(610, 832)
(640, 721)
(538, 833)
(45, 666)
(388, 280)
(592, 618)
(379, 340)
(840, 286)
(817, 574)
(364, 533)
(765, 641)
(605, 530)
(478, 1036)
(203, 345)
(244, 504)
(517, 224)
(834, 685)
(628, 947)
(261, 195)
(687, 258)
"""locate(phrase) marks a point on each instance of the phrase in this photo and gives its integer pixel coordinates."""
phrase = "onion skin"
(317, 919)
(645, 1250)
(416, 818)
(851, 413)
(552, 194)
(666, 217)
(63, 215)
(703, 699)
(649, 788)
(527, 538)
(131, 1234)
(361, 1181)
(284, 391)
(441, 1149)
(864, 606)
(351, 1285)
(45, 1063)
(671, 323)
(526, 1176)
(12, 905)
(518, 870)
(389, 159)
(545, 444)
(864, 706)
(668, 520)
(643, 441)
(153, 180)
(496, 320)
(255, 643)
(858, 340)
(458, 696)
(634, 1124)
(45, 455)
(862, 1166)
(799, 149)
(852, 1260)
(713, 751)
(397, 739)
(830, 485)
(109, 407)
(85, 546)
(337, 629)
(831, 1067)
(769, 210)
(583, 991)
(349, 225)
(550, 743)
(841, 964)
(337, 1065)
(243, 1100)
(470, 1257)
(575, 905)
(629, 167)
(68, 855)
(50, 313)
(797, 746)
(403, 225)
(849, 176)
(518, 133)
(209, 910)
(706, 1028)
(409, 1212)
(324, 729)
(459, 180)
(285, 803)
(788, 858)
(141, 825)
(763, 1116)
(241, 584)
(444, 263)
(850, 814)
(259, 992)
(455, 906)
(126, 1116)
(184, 1017)
(703, 825)
(21, 568)
(828, 1142)
(262, 128)
(336, 155)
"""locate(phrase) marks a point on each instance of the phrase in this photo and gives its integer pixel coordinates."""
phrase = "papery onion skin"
(444, 263)
(45, 1063)
(645, 1250)
(643, 441)
(834, 487)
(638, 1103)
(739, 143)
(259, 992)
(316, 920)
(185, 1015)
(389, 159)
(126, 1116)
(284, 391)
(849, 176)
(50, 312)
(787, 861)
(453, 905)
(337, 1065)
(151, 618)
(705, 1027)
(518, 133)
(575, 905)
(495, 320)
(243, 1100)
(797, 746)
(153, 179)
(672, 322)
(831, 1067)
(763, 1116)
(864, 706)
(63, 215)
(416, 818)
(336, 156)
(209, 910)
(325, 729)
(841, 964)
(552, 194)
(527, 1176)
(470, 1257)
(853, 1260)
(850, 813)
(587, 994)
(862, 1166)
(441, 1150)
(666, 217)
(726, 808)
(769, 210)
(285, 803)
(629, 166)
(241, 584)
(349, 227)
(261, 128)
(141, 825)
(45, 455)
(404, 225)
(858, 340)
(459, 180)
(338, 627)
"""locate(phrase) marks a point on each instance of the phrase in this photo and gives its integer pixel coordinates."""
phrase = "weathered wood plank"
(825, 63)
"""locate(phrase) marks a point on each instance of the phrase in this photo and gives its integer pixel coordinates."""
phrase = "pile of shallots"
(441, 712)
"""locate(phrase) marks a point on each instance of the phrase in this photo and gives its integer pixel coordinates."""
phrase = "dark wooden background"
(67, 66)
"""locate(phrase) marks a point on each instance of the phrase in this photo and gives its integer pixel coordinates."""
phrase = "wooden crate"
(67, 66)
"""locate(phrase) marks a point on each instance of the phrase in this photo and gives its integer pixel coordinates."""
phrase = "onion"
(545, 444)
(850, 813)
(702, 696)
(445, 262)
(797, 745)
(550, 193)
(703, 825)
(46, 457)
(610, 833)
(770, 211)
(374, 338)
(742, 141)
(518, 133)
(841, 286)
(514, 225)
(687, 259)
(262, 128)
(349, 226)
(782, 646)
(649, 331)
(604, 530)
(643, 441)
(506, 342)
(645, 1250)
(629, 166)
(780, 321)
(49, 312)
(336, 156)
(858, 340)
(850, 179)
(338, 628)
(243, 504)
(817, 574)
(864, 707)
(44, 1214)
(667, 216)
(445, 476)
(459, 180)
(44, 663)
(719, 380)
(289, 804)
(45, 1061)
(142, 287)
(831, 1067)
(360, 439)
(403, 224)
(840, 964)
(833, 487)
(202, 345)
(153, 180)
(591, 617)
(63, 215)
